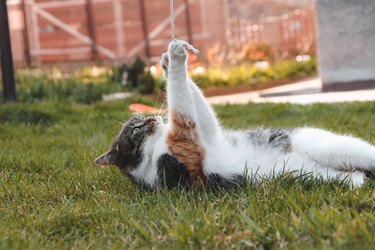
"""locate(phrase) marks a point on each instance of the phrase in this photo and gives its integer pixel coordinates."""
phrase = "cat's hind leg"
(340, 152)
(355, 178)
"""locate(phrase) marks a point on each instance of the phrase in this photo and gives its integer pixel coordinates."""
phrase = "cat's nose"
(159, 119)
(152, 119)
(153, 122)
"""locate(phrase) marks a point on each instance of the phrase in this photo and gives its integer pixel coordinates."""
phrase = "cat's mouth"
(153, 123)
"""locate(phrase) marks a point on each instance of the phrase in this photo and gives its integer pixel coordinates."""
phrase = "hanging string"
(171, 6)
(187, 45)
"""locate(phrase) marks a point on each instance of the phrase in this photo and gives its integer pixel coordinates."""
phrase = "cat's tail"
(339, 152)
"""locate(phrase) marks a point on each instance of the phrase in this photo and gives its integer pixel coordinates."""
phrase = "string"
(187, 45)
(171, 6)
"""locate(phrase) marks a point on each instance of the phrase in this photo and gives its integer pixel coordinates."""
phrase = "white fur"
(315, 151)
(154, 147)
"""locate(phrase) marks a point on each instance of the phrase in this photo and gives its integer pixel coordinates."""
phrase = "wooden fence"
(82, 30)
(51, 31)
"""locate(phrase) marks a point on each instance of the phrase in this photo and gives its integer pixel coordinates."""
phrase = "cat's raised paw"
(177, 50)
(164, 63)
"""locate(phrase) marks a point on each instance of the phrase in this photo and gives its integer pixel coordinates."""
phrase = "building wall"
(346, 42)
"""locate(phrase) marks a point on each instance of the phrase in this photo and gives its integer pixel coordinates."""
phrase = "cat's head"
(133, 147)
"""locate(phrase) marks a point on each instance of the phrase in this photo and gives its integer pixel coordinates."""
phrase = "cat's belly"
(250, 161)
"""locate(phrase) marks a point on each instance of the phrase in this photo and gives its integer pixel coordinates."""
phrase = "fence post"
(25, 33)
(7, 70)
(91, 29)
(144, 28)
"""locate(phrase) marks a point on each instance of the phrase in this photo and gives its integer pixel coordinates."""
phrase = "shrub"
(88, 84)
(84, 86)
(254, 52)
(249, 74)
(147, 84)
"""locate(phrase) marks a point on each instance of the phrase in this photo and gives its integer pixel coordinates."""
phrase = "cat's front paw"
(164, 63)
(177, 50)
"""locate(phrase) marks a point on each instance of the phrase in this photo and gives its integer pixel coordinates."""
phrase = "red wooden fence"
(118, 30)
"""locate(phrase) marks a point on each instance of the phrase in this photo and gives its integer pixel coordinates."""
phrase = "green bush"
(293, 68)
(249, 74)
(87, 85)
(254, 52)
(84, 86)
(147, 84)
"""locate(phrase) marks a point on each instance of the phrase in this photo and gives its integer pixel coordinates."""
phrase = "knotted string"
(186, 44)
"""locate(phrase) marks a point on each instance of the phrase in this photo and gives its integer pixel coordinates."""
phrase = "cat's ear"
(108, 158)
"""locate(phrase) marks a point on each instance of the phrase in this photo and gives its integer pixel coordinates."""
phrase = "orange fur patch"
(184, 143)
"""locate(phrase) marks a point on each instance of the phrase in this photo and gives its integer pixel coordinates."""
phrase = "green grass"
(51, 196)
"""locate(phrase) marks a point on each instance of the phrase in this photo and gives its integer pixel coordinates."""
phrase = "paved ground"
(304, 92)
(117, 96)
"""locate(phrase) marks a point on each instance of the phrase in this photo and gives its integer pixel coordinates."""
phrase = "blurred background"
(45, 31)
(253, 43)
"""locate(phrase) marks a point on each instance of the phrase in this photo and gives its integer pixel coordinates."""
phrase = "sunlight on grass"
(52, 196)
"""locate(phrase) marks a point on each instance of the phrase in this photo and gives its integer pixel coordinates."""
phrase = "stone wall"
(346, 43)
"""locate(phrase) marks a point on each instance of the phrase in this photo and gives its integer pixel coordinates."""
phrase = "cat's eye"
(135, 130)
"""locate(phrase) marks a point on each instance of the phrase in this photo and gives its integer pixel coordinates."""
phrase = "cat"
(193, 149)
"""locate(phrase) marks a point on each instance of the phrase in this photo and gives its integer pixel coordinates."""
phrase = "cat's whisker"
(165, 119)
(161, 108)
(114, 120)
(157, 98)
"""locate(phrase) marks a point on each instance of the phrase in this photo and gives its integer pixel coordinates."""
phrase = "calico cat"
(192, 148)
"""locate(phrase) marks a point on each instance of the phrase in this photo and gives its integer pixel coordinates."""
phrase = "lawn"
(53, 197)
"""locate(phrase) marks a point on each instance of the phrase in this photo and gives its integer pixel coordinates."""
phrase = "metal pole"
(144, 28)
(25, 33)
(188, 22)
(7, 71)
(91, 29)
